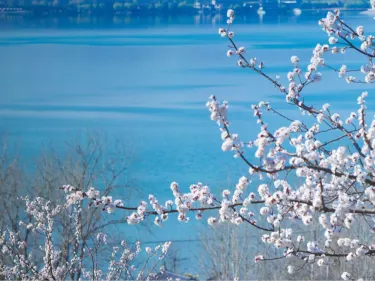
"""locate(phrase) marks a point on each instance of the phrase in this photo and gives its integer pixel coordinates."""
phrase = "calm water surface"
(145, 81)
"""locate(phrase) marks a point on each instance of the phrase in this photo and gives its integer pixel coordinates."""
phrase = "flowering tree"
(46, 237)
(120, 267)
(334, 159)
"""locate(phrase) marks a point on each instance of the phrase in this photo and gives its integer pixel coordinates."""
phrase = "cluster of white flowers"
(339, 32)
(342, 71)
(370, 76)
(230, 17)
(346, 276)
(367, 42)
(325, 172)
(259, 258)
(105, 202)
(294, 60)
(285, 201)
(331, 182)
(218, 110)
(42, 217)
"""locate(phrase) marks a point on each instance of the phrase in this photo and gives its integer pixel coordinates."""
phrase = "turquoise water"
(145, 82)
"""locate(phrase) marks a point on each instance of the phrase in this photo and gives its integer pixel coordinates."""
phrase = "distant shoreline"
(48, 11)
(341, 9)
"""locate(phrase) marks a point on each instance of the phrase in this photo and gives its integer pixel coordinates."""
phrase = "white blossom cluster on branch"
(320, 167)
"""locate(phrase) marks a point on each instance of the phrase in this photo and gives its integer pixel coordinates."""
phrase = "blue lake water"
(145, 82)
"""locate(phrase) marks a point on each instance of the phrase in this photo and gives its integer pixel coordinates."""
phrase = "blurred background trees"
(229, 251)
(86, 162)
